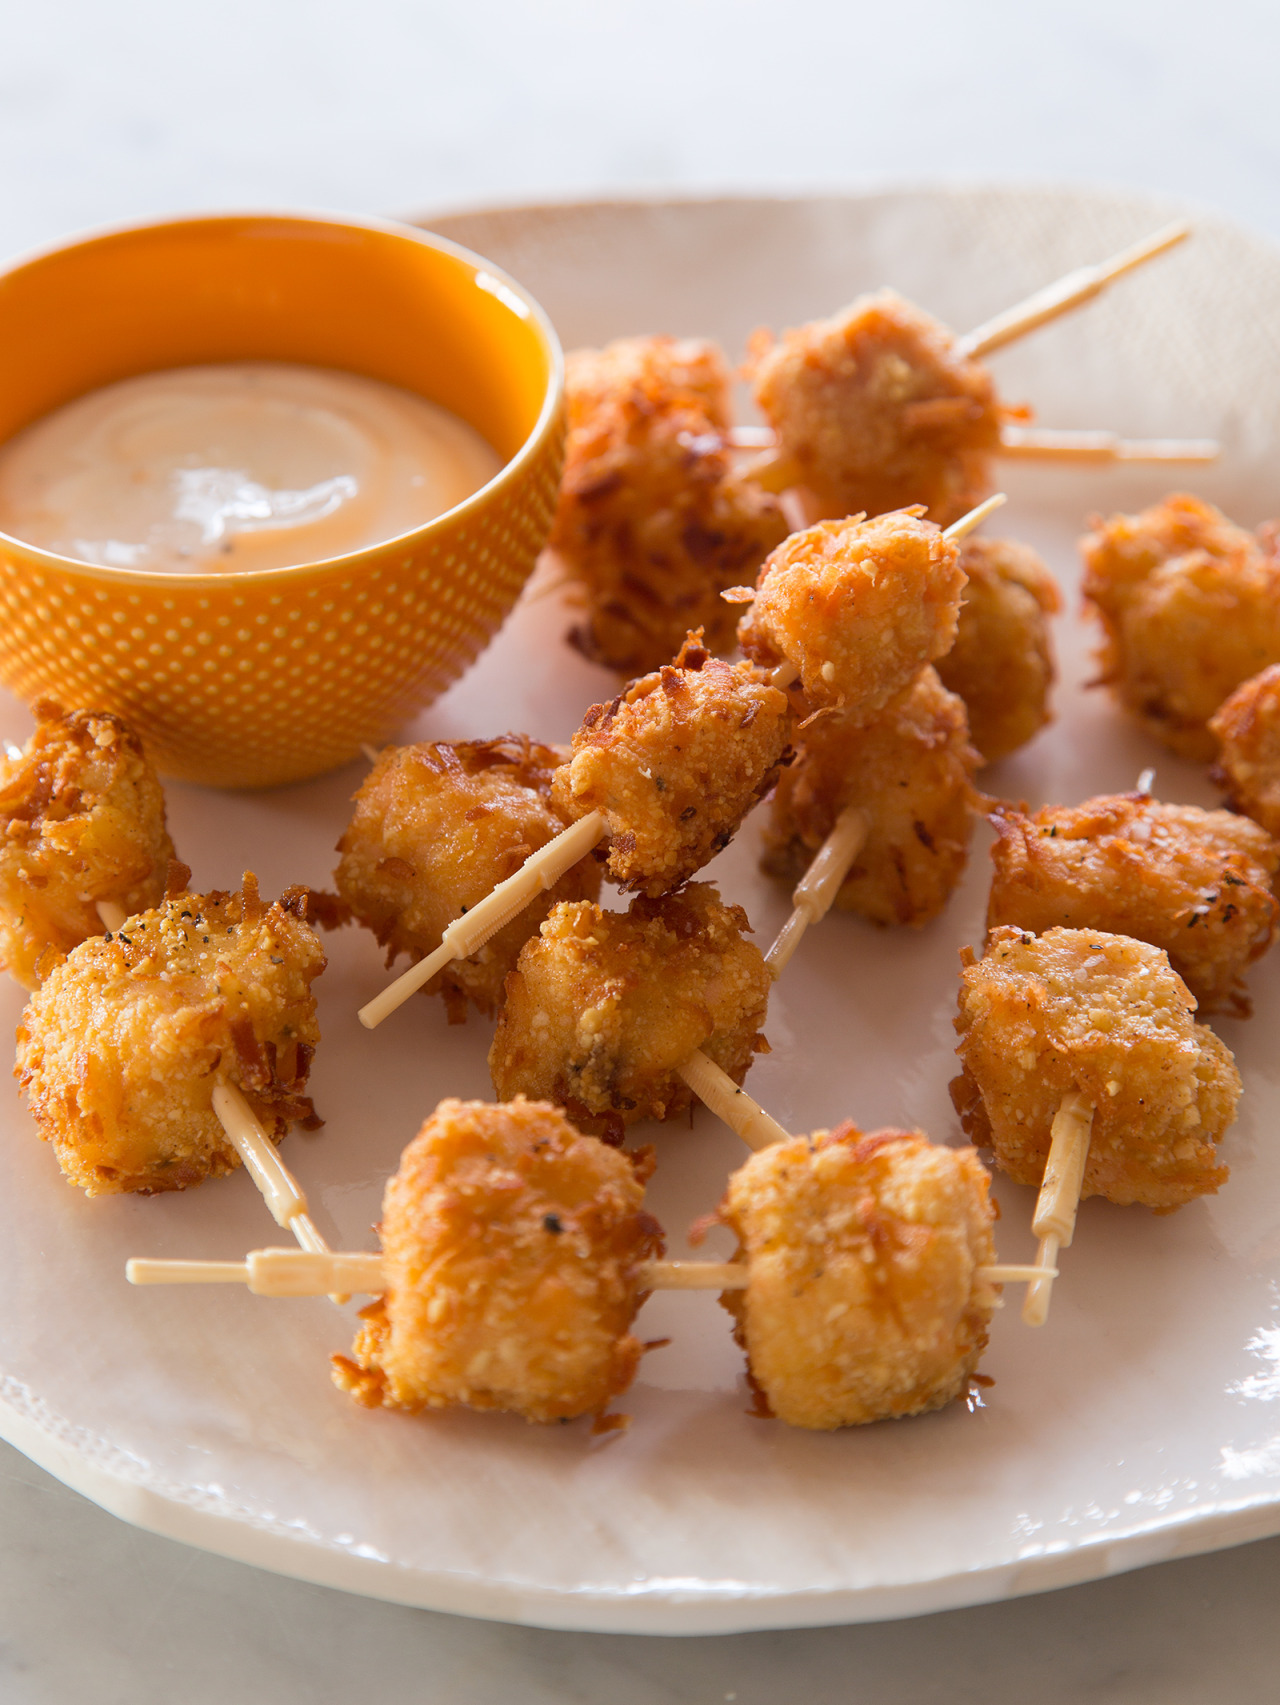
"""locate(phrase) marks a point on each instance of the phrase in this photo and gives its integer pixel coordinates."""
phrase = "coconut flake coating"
(856, 607)
(655, 373)
(910, 768)
(1001, 664)
(81, 820)
(653, 522)
(1196, 883)
(121, 1046)
(1103, 1014)
(1129, 548)
(512, 1248)
(878, 410)
(1190, 608)
(604, 1006)
(1247, 729)
(864, 1301)
(675, 763)
(436, 827)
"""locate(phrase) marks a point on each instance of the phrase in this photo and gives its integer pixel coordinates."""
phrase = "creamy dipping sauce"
(246, 465)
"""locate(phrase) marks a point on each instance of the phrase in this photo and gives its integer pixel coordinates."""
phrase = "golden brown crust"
(1190, 608)
(653, 523)
(864, 1302)
(512, 1249)
(604, 1006)
(878, 410)
(659, 373)
(910, 768)
(1001, 664)
(856, 607)
(675, 763)
(81, 820)
(1247, 728)
(120, 1047)
(1125, 550)
(1104, 1015)
(1196, 883)
(436, 827)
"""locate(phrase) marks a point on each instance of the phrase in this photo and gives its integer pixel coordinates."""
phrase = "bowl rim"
(489, 276)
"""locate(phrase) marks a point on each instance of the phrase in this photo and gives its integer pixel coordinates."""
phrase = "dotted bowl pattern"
(255, 680)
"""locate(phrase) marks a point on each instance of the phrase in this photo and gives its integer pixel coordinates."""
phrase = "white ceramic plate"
(1142, 1424)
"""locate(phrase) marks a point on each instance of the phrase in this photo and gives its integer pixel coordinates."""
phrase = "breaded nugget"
(604, 1006)
(856, 607)
(675, 763)
(435, 828)
(910, 768)
(1247, 728)
(662, 372)
(1105, 1015)
(1190, 607)
(864, 1302)
(1125, 551)
(120, 1047)
(81, 820)
(877, 410)
(653, 522)
(1196, 883)
(1001, 664)
(511, 1247)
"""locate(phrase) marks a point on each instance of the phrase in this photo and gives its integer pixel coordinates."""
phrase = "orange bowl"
(252, 679)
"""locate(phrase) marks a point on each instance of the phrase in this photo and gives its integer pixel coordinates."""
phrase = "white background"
(113, 112)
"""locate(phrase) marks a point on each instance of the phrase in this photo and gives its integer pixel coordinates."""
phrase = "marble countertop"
(117, 113)
(92, 1610)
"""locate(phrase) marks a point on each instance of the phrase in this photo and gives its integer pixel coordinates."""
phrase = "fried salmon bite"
(1247, 728)
(512, 1249)
(435, 828)
(674, 763)
(603, 1007)
(121, 1046)
(910, 768)
(864, 1300)
(1196, 883)
(877, 410)
(1190, 608)
(1106, 1016)
(856, 607)
(1001, 664)
(653, 523)
(81, 820)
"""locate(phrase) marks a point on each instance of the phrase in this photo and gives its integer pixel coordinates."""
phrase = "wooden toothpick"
(1044, 445)
(728, 1101)
(1059, 298)
(1054, 1221)
(279, 1189)
(297, 1273)
(977, 515)
(271, 1272)
(779, 473)
(467, 935)
(815, 893)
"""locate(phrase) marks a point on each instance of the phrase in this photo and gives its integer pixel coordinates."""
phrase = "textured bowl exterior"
(252, 680)
(247, 683)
